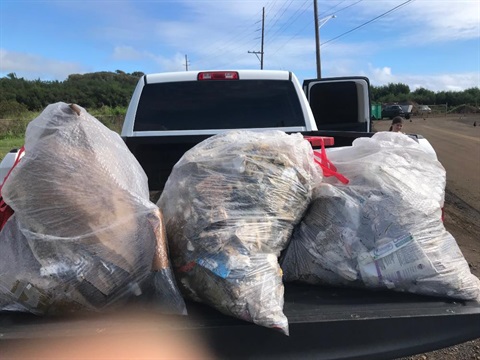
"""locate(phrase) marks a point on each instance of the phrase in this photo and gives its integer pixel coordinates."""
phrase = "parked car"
(424, 109)
(390, 111)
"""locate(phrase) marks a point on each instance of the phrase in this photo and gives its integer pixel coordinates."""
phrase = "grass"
(12, 131)
(9, 143)
(12, 128)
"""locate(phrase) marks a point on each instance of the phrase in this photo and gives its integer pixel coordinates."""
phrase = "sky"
(421, 43)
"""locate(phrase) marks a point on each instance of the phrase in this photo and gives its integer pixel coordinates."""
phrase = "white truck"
(169, 113)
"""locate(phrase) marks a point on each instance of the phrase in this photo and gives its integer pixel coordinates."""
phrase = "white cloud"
(174, 63)
(178, 33)
(127, 53)
(427, 20)
(448, 20)
(33, 67)
(433, 82)
(160, 63)
(382, 75)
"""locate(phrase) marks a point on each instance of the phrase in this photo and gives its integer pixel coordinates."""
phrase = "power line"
(368, 22)
(309, 23)
(283, 8)
(344, 8)
(288, 23)
(239, 49)
(274, 16)
(238, 38)
(333, 7)
(243, 39)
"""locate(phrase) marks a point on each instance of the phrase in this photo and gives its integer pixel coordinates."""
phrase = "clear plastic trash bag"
(384, 229)
(230, 205)
(84, 235)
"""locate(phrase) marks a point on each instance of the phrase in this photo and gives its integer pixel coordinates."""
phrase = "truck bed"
(325, 323)
(158, 155)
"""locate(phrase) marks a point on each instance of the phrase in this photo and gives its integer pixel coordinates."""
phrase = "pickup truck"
(170, 113)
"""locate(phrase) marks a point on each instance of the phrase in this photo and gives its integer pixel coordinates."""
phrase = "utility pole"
(318, 25)
(317, 39)
(263, 35)
(186, 63)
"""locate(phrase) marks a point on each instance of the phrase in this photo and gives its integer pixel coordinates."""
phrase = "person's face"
(397, 127)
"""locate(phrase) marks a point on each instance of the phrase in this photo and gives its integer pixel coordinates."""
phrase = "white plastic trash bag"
(230, 205)
(384, 228)
(84, 235)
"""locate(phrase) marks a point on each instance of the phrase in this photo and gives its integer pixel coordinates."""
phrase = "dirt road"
(457, 143)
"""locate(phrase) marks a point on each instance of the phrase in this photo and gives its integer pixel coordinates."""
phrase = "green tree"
(423, 96)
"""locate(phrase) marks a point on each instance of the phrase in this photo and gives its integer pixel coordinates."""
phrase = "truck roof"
(242, 74)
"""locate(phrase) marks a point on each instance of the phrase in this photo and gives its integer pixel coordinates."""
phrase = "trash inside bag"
(161, 290)
(230, 205)
(384, 229)
(84, 234)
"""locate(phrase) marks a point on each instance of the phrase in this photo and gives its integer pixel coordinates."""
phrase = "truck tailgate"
(325, 323)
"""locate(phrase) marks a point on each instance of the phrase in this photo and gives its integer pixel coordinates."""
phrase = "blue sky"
(421, 43)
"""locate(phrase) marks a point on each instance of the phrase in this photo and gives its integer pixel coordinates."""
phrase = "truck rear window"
(198, 105)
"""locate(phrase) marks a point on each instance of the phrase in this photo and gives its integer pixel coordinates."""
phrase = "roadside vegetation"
(8, 144)
(400, 93)
(12, 129)
(106, 95)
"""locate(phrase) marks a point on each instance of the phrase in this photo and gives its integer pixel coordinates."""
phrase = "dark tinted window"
(195, 105)
(334, 103)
